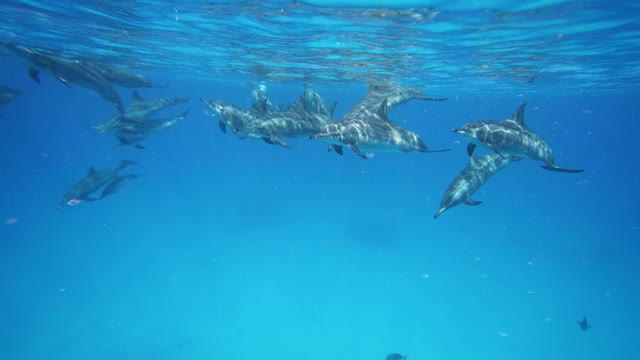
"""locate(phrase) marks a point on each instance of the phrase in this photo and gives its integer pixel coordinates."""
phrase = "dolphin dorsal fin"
(518, 116)
(383, 110)
(92, 171)
(136, 97)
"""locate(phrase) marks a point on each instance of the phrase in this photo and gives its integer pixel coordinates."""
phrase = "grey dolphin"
(67, 71)
(261, 103)
(394, 95)
(138, 111)
(375, 132)
(511, 137)
(8, 94)
(296, 122)
(314, 103)
(134, 132)
(471, 178)
(116, 184)
(233, 117)
(121, 76)
(94, 180)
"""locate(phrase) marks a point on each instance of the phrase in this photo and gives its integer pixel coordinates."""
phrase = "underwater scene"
(382, 180)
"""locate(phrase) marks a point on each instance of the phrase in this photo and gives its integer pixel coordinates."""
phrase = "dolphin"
(375, 132)
(93, 181)
(8, 94)
(134, 132)
(584, 324)
(511, 137)
(122, 77)
(314, 103)
(261, 103)
(394, 95)
(116, 184)
(138, 111)
(296, 122)
(471, 178)
(233, 117)
(66, 71)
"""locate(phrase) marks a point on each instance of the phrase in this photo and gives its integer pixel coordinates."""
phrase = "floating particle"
(11, 221)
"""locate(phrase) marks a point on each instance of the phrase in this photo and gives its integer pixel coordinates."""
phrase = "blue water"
(235, 249)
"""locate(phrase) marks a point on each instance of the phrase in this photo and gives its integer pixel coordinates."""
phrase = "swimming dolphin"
(470, 179)
(138, 111)
(122, 77)
(375, 132)
(298, 121)
(66, 71)
(584, 324)
(91, 183)
(261, 103)
(8, 94)
(132, 133)
(314, 103)
(511, 137)
(233, 117)
(116, 184)
(394, 95)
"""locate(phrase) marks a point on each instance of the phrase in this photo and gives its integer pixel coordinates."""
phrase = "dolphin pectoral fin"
(497, 151)
(275, 141)
(471, 148)
(472, 202)
(357, 151)
(34, 74)
(222, 126)
(439, 150)
(138, 146)
(562, 170)
(88, 198)
(338, 149)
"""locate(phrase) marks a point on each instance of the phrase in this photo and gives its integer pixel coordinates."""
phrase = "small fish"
(395, 356)
(584, 324)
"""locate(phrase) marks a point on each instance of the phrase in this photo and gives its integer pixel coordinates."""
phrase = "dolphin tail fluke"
(222, 126)
(472, 202)
(562, 170)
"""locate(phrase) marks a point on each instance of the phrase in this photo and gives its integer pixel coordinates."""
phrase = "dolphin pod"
(365, 127)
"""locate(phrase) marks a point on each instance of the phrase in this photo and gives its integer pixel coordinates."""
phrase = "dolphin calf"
(66, 71)
(375, 132)
(8, 94)
(394, 95)
(116, 184)
(471, 178)
(91, 183)
(511, 137)
(584, 324)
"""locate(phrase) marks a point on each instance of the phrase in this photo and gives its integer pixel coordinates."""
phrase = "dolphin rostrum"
(511, 137)
(471, 178)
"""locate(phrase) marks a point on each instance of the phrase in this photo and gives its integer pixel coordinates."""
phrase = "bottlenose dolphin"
(584, 324)
(94, 180)
(375, 132)
(116, 184)
(132, 133)
(471, 178)
(66, 71)
(8, 94)
(138, 111)
(394, 95)
(511, 137)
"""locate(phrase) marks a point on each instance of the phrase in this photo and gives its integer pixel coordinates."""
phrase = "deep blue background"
(240, 250)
